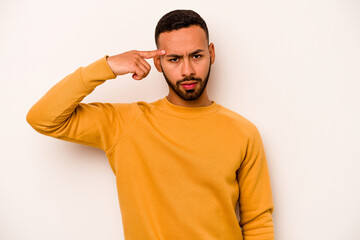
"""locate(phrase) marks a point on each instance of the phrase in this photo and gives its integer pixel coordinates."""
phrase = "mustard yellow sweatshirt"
(181, 173)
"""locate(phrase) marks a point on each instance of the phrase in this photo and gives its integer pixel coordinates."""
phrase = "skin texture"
(188, 58)
(183, 55)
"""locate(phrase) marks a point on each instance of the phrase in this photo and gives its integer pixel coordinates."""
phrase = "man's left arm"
(255, 200)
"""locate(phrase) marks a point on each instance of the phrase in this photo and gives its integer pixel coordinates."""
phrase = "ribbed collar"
(169, 107)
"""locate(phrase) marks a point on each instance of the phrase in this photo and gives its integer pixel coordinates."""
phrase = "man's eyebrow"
(178, 56)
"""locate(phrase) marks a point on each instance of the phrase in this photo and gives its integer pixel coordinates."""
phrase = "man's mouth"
(189, 84)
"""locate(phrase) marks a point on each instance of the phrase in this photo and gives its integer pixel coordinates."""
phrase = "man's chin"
(188, 95)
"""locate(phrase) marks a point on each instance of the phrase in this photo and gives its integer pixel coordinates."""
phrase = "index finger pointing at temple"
(151, 54)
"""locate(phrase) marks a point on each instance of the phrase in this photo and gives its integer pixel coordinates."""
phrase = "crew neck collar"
(186, 111)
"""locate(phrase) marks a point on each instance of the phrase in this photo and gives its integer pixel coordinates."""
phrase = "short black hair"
(177, 19)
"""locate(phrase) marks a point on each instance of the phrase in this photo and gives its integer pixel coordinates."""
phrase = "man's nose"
(187, 68)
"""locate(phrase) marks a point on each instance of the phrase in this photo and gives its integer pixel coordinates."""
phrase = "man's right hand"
(133, 62)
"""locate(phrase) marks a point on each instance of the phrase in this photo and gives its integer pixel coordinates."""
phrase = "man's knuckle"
(133, 65)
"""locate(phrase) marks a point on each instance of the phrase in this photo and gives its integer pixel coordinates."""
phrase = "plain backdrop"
(290, 67)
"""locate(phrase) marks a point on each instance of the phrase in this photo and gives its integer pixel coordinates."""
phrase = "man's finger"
(145, 63)
(143, 68)
(151, 54)
(139, 73)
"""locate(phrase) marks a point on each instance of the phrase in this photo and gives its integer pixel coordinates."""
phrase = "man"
(185, 166)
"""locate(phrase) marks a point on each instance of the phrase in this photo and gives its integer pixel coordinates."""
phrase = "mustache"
(188, 79)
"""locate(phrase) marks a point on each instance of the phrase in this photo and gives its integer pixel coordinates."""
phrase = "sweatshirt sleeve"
(60, 114)
(256, 204)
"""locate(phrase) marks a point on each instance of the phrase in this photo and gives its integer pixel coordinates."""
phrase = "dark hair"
(179, 19)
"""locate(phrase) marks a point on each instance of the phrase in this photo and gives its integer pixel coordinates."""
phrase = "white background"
(290, 67)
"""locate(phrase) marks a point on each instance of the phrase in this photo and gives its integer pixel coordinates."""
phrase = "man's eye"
(197, 56)
(173, 59)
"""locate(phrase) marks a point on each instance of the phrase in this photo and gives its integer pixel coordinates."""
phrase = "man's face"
(187, 63)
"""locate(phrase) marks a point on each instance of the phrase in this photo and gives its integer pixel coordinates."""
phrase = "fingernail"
(162, 51)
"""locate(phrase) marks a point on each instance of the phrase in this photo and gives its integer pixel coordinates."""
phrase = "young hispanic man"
(186, 167)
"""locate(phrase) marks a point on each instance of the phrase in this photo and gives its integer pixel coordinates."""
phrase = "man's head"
(177, 19)
(184, 36)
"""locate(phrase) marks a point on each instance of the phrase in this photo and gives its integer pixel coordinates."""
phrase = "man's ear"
(212, 52)
(157, 63)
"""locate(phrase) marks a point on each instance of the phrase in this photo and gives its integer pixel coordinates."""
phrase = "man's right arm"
(60, 114)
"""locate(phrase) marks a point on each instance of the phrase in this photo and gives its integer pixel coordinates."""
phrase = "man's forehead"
(183, 39)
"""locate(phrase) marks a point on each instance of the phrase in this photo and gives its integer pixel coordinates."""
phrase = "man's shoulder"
(112, 109)
(234, 116)
(121, 106)
(237, 120)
